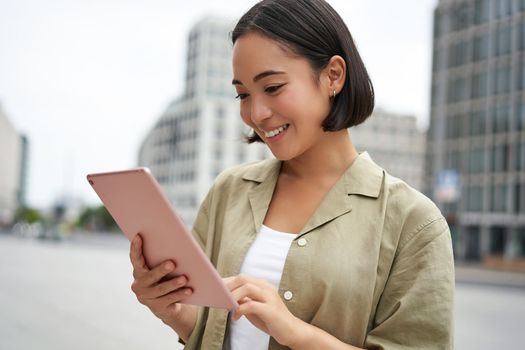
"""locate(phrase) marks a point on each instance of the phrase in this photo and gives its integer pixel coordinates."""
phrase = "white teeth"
(276, 131)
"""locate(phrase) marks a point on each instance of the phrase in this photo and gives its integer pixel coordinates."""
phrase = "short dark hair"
(314, 30)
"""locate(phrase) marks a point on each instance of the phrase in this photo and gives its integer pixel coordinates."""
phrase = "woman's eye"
(241, 96)
(271, 89)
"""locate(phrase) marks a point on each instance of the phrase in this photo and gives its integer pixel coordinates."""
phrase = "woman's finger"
(235, 282)
(156, 274)
(173, 297)
(249, 290)
(166, 287)
(136, 257)
(249, 308)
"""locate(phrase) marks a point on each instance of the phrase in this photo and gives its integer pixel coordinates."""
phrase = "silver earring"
(334, 93)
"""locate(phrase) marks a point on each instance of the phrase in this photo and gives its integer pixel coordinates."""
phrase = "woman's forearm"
(184, 324)
(311, 337)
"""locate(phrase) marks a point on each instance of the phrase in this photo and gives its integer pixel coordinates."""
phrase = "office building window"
(503, 41)
(481, 48)
(520, 77)
(501, 79)
(498, 238)
(481, 11)
(452, 127)
(460, 16)
(456, 90)
(435, 93)
(476, 161)
(502, 8)
(464, 124)
(479, 85)
(474, 198)
(438, 25)
(500, 155)
(518, 198)
(520, 115)
(458, 53)
(501, 118)
(477, 123)
(452, 161)
(520, 156)
(499, 198)
(521, 31)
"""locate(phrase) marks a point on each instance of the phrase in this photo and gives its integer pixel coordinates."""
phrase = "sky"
(85, 80)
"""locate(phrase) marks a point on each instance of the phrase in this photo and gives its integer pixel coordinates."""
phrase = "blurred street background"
(101, 85)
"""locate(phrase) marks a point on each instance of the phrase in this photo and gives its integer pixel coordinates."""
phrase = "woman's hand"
(162, 296)
(261, 304)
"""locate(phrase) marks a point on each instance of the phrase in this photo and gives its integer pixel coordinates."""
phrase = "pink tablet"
(138, 205)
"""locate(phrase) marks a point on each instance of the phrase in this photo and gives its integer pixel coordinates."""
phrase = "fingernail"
(187, 291)
(168, 266)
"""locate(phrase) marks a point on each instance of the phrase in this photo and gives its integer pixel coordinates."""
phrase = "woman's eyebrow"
(259, 76)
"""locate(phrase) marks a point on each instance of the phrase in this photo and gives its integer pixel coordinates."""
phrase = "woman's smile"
(276, 133)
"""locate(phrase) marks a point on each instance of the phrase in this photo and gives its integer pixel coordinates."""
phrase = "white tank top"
(264, 260)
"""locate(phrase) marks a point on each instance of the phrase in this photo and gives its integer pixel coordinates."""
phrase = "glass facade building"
(477, 126)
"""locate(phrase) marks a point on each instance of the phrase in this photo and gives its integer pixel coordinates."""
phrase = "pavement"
(475, 274)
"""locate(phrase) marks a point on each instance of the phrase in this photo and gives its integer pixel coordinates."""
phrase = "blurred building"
(200, 133)
(394, 142)
(13, 169)
(24, 158)
(475, 168)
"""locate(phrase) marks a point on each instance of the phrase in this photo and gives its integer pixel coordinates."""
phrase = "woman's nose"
(259, 110)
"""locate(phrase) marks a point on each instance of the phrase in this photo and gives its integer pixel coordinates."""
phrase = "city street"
(75, 294)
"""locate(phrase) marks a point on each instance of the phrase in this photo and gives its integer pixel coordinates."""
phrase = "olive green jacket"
(374, 267)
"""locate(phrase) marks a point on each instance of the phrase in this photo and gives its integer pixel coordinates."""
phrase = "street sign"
(447, 186)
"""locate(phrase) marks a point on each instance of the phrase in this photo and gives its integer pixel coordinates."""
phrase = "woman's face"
(280, 96)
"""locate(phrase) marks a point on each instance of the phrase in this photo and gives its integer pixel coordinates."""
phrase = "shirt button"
(301, 242)
(288, 295)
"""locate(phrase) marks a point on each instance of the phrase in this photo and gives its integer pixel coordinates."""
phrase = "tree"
(97, 218)
(29, 215)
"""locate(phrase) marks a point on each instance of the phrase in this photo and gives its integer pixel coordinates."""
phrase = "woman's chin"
(283, 156)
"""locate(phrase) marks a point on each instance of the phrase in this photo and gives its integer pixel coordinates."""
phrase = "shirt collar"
(363, 177)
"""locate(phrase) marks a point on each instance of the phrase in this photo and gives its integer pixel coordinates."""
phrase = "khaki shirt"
(373, 266)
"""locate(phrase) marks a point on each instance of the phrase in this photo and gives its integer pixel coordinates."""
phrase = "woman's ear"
(335, 72)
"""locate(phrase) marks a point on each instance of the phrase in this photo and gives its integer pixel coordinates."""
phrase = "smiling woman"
(324, 249)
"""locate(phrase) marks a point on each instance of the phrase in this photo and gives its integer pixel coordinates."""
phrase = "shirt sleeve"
(416, 308)
(201, 224)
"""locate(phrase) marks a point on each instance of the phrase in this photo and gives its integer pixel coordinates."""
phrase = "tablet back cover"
(137, 203)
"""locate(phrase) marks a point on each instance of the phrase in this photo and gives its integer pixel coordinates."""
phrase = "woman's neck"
(328, 159)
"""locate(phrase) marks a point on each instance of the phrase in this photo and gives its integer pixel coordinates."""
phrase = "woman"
(325, 249)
